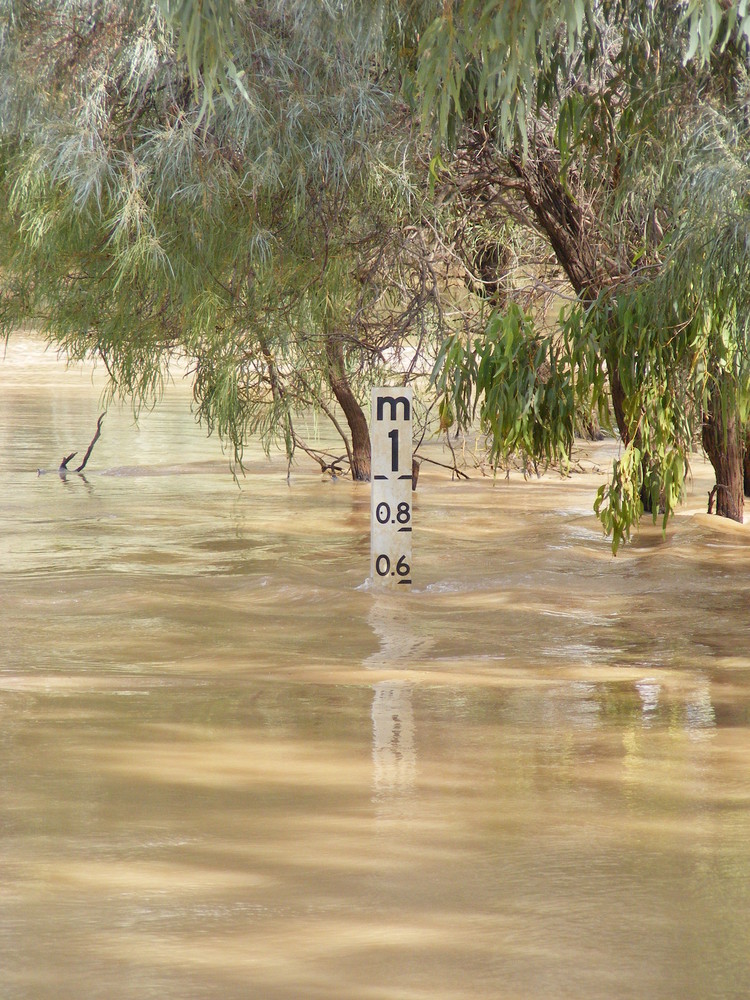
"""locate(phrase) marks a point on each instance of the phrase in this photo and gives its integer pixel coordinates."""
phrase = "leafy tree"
(591, 121)
(261, 223)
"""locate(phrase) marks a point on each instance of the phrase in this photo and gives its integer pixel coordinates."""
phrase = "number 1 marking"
(393, 435)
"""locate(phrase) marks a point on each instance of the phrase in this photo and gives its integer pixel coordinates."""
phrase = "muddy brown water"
(231, 770)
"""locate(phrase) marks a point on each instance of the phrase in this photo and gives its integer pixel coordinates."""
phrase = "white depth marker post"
(390, 508)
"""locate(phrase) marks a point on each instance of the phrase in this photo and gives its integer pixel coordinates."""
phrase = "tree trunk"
(568, 229)
(746, 463)
(724, 443)
(359, 455)
(563, 222)
(561, 219)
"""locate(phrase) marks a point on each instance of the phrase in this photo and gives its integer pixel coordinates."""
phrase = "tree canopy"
(245, 186)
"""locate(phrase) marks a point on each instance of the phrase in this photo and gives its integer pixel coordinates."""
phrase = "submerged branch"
(64, 464)
(333, 466)
(443, 465)
(90, 448)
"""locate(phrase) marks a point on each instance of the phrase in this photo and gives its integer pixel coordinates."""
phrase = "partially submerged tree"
(577, 116)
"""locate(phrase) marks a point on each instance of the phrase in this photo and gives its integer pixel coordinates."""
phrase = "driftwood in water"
(64, 464)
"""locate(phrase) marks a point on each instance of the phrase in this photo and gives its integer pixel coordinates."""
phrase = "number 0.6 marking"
(383, 567)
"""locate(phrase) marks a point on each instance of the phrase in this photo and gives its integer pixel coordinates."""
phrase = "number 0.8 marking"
(383, 513)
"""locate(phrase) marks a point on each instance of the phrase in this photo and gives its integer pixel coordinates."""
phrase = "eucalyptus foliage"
(502, 58)
(678, 337)
(621, 128)
(509, 59)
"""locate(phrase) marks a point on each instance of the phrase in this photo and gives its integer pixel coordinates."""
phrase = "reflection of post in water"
(393, 740)
(392, 620)
(699, 716)
(394, 755)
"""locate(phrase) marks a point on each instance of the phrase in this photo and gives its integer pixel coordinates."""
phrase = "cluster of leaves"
(514, 381)
(528, 386)
(458, 57)
(509, 60)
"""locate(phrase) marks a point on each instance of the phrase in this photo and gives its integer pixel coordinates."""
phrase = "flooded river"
(231, 771)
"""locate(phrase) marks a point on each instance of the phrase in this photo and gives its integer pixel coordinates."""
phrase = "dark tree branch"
(453, 468)
(64, 464)
(90, 448)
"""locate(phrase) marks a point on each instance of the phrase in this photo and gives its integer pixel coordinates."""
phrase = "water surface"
(231, 770)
